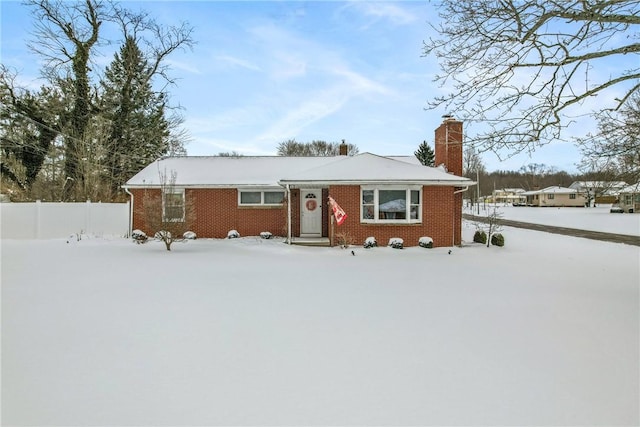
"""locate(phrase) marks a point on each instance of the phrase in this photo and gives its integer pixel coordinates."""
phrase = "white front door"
(311, 213)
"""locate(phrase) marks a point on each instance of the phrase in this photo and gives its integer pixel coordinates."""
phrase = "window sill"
(390, 223)
(260, 206)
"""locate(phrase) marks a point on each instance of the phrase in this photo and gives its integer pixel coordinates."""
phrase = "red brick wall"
(438, 218)
(217, 212)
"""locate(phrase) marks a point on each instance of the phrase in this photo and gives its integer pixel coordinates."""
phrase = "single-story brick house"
(383, 197)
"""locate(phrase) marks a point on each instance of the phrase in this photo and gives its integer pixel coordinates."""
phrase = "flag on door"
(338, 213)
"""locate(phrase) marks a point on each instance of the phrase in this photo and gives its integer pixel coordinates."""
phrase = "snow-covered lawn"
(596, 219)
(544, 331)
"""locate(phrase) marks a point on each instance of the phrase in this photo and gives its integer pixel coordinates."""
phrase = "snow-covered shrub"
(370, 242)
(139, 236)
(233, 234)
(189, 235)
(425, 242)
(266, 235)
(396, 243)
(162, 235)
(497, 239)
(480, 237)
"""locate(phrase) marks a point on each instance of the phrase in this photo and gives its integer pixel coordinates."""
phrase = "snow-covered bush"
(497, 239)
(425, 242)
(233, 234)
(162, 235)
(480, 237)
(189, 235)
(396, 243)
(139, 236)
(370, 242)
(266, 235)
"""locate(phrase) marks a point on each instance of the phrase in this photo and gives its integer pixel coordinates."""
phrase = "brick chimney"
(344, 148)
(448, 144)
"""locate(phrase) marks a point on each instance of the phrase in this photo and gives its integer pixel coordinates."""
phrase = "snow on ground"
(544, 331)
(595, 219)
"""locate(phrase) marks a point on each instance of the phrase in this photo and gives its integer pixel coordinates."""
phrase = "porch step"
(310, 241)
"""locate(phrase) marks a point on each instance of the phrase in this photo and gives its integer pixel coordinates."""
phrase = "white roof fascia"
(441, 183)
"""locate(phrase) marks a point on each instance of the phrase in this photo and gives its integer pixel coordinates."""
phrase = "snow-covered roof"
(370, 168)
(510, 190)
(597, 184)
(555, 189)
(633, 188)
(266, 171)
(221, 171)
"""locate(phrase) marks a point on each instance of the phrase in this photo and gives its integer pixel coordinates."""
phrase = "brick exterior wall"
(437, 220)
(217, 212)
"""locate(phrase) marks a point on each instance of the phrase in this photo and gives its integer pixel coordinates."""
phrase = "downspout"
(126, 190)
(288, 214)
(453, 223)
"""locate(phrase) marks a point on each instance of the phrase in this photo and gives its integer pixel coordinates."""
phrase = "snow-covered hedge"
(233, 234)
(189, 235)
(370, 242)
(425, 242)
(396, 243)
(266, 235)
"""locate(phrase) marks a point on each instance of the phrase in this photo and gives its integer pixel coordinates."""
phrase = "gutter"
(444, 183)
(453, 228)
(126, 190)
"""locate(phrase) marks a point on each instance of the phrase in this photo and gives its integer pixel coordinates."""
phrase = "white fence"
(42, 220)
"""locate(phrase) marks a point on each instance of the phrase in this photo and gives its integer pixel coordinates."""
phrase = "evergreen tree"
(138, 130)
(425, 154)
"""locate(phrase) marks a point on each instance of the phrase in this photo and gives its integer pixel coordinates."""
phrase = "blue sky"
(264, 72)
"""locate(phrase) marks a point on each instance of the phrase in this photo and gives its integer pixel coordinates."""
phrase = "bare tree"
(168, 214)
(615, 148)
(66, 36)
(525, 69)
(292, 147)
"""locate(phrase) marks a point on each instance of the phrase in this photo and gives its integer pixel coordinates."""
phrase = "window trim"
(262, 192)
(179, 191)
(376, 204)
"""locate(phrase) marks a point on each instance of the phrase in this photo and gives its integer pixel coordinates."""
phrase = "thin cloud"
(377, 11)
(237, 62)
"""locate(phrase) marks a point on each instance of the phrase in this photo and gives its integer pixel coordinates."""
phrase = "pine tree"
(138, 129)
(425, 154)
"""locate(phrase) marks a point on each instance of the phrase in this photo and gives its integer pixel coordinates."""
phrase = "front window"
(572, 196)
(393, 204)
(260, 197)
(550, 196)
(173, 206)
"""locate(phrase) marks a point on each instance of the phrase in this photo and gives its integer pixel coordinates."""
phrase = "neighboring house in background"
(555, 196)
(599, 191)
(509, 195)
(383, 197)
(629, 198)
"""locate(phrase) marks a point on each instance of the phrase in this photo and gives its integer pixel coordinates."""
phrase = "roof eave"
(431, 182)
